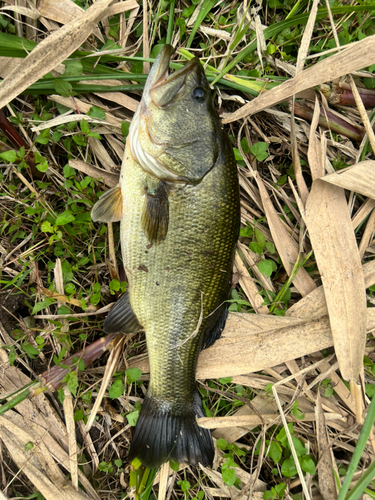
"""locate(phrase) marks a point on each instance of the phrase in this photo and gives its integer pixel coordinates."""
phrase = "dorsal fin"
(109, 206)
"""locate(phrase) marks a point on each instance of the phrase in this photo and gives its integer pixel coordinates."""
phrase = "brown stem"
(53, 378)
(341, 94)
(332, 121)
(18, 142)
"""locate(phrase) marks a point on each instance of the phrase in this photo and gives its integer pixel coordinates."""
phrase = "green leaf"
(187, 12)
(298, 446)
(225, 380)
(270, 247)
(84, 127)
(95, 135)
(268, 495)
(180, 23)
(114, 286)
(79, 415)
(56, 136)
(175, 466)
(328, 393)
(10, 156)
(116, 390)
(237, 155)
(125, 128)
(132, 418)
(60, 394)
(281, 436)
(64, 218)
(46, 227)
(80, 140)
(30, 350)
(229, 476)
(261, 239)
(307, 464)
(118, 462)
(370, 390)
(71, 381)
(275, 452)
(42, 305)
(247, 231)
(267, 267)
(133, 374)
(96, 112)
(255, 247)
(29, 446)
(222, 444)
(68, 171)
(43, 165)
(280, 489)
(63, 87)
(288, 468)
(12, 355)
(42, 139)
(86, 396)
(259, 150)
(184, 485)
(73, 68)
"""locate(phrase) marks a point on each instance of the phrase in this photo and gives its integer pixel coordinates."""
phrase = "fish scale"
(195, 258)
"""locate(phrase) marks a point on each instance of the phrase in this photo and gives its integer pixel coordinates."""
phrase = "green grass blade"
(170, 22)
(276, 28)
(297, 266)
(205, 9)
(26, 392)
(362, 483)
(147, 487)
(366, 429)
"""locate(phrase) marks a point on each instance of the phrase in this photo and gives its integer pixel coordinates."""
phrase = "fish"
(178, 205)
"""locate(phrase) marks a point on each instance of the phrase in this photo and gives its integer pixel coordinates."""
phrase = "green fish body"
(178, 200)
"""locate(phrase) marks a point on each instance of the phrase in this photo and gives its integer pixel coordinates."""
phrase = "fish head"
(176, 133)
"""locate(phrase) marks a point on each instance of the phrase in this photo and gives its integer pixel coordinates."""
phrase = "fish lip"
(166, 78)
(160, 68)
(159, 74)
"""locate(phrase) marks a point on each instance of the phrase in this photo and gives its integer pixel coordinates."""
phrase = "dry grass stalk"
(351, 59)
(337, 256)
(327, 483)
(70, 427)
(51, 51)
(110, 368)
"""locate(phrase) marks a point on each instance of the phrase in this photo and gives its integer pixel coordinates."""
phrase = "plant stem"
(170, 22)
(366, 429)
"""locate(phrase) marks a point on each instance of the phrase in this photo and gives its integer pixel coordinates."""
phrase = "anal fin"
(155, 216)
(109, 206)
(121, 318)
(215, 326)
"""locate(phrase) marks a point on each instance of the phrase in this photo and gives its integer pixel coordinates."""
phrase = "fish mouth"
(162, 86)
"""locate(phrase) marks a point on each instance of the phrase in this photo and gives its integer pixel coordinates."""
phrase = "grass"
(59, 271)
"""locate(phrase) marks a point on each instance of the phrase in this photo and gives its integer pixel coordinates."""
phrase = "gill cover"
(176, 133)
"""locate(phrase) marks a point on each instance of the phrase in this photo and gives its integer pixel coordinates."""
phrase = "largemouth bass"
(178, 202)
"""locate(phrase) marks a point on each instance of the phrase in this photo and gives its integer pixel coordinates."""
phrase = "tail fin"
(166, 431)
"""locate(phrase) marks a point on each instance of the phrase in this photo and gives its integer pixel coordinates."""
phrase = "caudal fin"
(170, 432)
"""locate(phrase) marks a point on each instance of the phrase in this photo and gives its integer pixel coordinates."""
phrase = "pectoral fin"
(155, 216)
(109, 206)
(121, 318)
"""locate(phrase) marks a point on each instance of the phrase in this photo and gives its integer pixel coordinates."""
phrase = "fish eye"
(199, 94)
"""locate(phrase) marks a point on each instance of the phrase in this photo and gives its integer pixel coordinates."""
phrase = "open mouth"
(162, 86)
